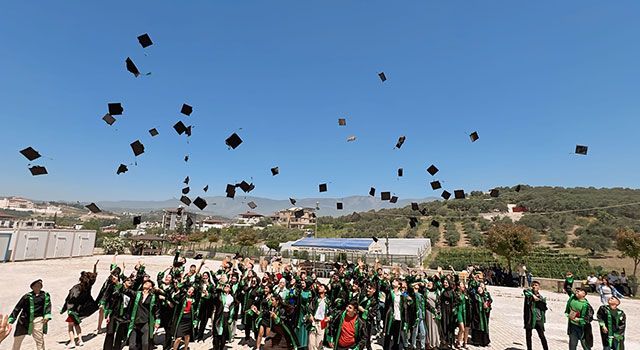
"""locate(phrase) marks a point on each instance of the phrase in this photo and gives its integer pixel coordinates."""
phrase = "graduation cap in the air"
(434, 223)
(293, 201)
(518, 188)
(245, 186)
(382, 76)
(206, 188)
(93, 208)
(339, 206)
(231, 191)
(145, 40)
(298, 213)
(494, 193)
(322, 187)
(153, 132)
(372, 191)
(137, 220)
(414, 206)
(342, 121)
(351, 138)
(432, 169)
(474, 136)
(188, 131)
(458, 194)
(186, 180)
(186, 158)
(394, 199)
(400, 172)
(375, 239)
(233, 141)
(180, 128)
(580, 149)
(445, 194)
(122, 169)
(109, 119)
(186, 190)
(413, 222)
(115, 108)
(131, 67)
(385, 196)
(435, 185)
(189, 221)
(401, 140)
(252, 205)
(38, 170)
(275, 171)
(30, 153)
(185, 200)
(186, 109)
(137, 147)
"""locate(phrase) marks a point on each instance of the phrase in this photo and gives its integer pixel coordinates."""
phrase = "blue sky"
(533, 78)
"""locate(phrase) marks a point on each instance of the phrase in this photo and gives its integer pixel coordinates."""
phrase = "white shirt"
(228, 300)
(396, 306)
(320, 311)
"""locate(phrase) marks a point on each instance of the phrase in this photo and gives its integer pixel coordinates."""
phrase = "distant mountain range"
(227, 207)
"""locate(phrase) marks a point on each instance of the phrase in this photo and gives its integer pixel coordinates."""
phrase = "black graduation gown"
(22, 313)
(79, 303)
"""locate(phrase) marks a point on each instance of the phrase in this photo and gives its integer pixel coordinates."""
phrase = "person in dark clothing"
(80, 304)
(448, 322)
(205, 305)
(185, 316)
(118, 320)
(612, 323)
(168, 287)
(535, 307)
(579, 314)
(350, 330)
(32, 312)
(368, 308)
(145, 316)
(568, 283)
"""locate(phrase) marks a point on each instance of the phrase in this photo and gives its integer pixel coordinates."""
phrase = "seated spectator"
(592, 281)
(623, 284)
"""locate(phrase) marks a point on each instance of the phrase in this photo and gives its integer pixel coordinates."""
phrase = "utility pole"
(387, 244)
(315, 232)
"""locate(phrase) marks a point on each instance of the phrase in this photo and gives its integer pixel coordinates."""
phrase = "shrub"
(558, 237)
(112, 245)
(452, 236)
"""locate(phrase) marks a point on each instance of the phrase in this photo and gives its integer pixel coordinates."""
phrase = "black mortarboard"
(445, 194)
(581, 150)
(122, 169)
(298, 213)
(458, 194)
(231, 191)
(233, 141)
(153, 132)
(382, 76)
(414, 206)
(339, 206)
(435, 185)
(494, 193)
(394, 199)
(275, 171)
(137, 147)
(323, 187)
(375, 239)
(245, 186)
(423, 211)
(342, 121)
(206, 188)
(137, 220)
(434, 223)
(474, 136)
(93, 208)
(189, 221)
(145, 40)
(413, 222)
(372, 191)
(38, 170)
(385, 196)
(293, 201)
(180, 128)
(186, 109)
(185, 200)
(186, 158)
(30, 153)
(351, 138)
(518, 188)
(188, 131)
(186, 190)
(400, 172)
(432, 169)
(34, 283)
(252, 205)
(109, 119)
(115, 108)
(186, 180)
(131, 67)
(401, 140)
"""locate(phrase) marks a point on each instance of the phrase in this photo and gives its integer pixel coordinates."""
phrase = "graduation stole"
(32, 307)
(223, 298)
(481, 314)
(194, 315)
(431, 309)
(612, 335)
(152, 320)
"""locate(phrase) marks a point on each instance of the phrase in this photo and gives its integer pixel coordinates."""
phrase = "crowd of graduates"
(291, 308)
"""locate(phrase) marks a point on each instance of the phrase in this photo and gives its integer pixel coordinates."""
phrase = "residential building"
(296, 217)
(208, 224)
(248, 219)
(7, 221)
(23, 204)
(30, 224)
(172, 219)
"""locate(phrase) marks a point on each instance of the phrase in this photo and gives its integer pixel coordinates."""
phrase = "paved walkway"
(59, 275)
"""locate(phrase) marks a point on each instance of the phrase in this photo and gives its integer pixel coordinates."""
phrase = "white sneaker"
(71, 346)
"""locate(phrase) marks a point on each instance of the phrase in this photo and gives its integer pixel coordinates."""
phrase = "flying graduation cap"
(400, 172)
(206, 188)
(494, 193)
(109, 119)
(186, 158)
(375, 239)
(93, 208)
(382, 76)
(115, 108)
(145, 40)
(189, 221)
(131, 67)
(393, 199)
(233, 141)
(458, 194)
(434, 223)
(342, 121)
(186, 180)
(413, 222)
(582, 150)
(180, 128)
(351, 138)
(322, 187)
(246, 187)
(293, 201)
(122, 169)
(200, 203)
(252, 205)
(445, 194)
(137, 220)
(186, 190)
(474, 136)
(275, 171)
(30, 153)
(137, 147)
(298, 213)
(518, 188)
(385, 196)
(153, 132)
(401, 140)
(231, 191)
(186, 109)
(372, 191)
(339, 206)
(435, 185)
(38, 170)
(432, 169)
(185, 200)
(414, 206)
